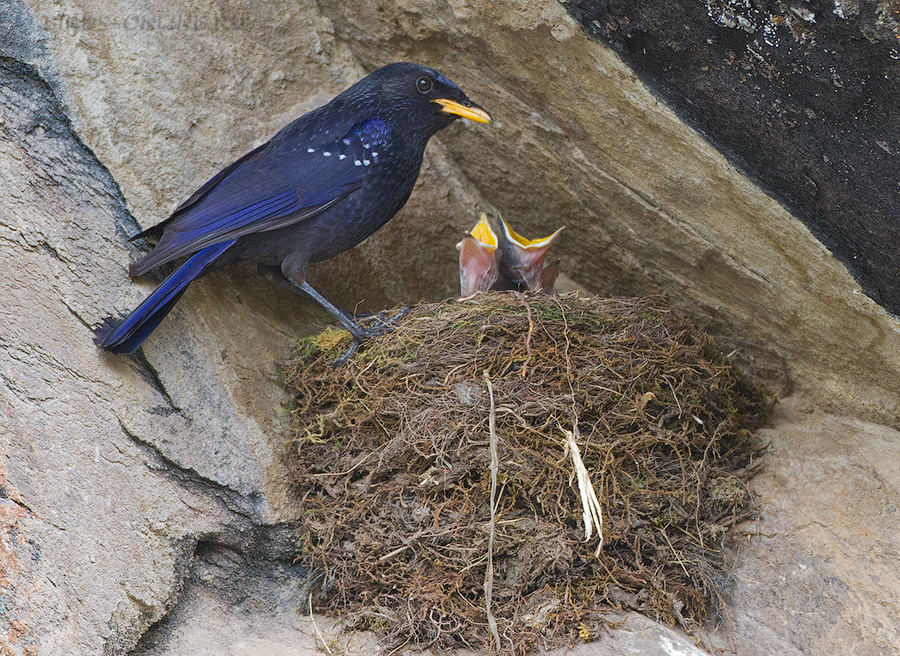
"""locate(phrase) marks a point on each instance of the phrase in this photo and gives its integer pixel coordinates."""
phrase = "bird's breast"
(387, 187)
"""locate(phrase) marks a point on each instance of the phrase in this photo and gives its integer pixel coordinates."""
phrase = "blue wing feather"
(127, 335)
(157, 230)
(285, 181)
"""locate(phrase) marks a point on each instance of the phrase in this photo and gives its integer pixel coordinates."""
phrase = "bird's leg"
(359, 334)
(274, 275)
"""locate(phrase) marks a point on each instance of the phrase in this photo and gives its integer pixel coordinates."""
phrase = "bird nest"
(391, 454)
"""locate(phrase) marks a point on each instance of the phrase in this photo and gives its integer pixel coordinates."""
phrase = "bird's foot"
(361, 335)
(384, 325)
(348, 354)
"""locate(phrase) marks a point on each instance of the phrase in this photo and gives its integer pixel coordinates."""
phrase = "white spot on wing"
(326, 154)
(366, 162)
(310, 150)
(356, 162)
(342, 156)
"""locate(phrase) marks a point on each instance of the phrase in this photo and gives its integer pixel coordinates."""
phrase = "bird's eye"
(424, 84)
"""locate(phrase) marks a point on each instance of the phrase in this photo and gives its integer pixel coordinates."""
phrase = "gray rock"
(114, 469)
(801, 94)
(820, 570)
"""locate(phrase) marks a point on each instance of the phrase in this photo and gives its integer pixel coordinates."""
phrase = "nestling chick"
(503, 259)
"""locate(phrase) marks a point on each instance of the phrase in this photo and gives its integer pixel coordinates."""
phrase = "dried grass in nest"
(391, 461)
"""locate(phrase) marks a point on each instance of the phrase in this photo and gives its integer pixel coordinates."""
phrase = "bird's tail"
(127, 335)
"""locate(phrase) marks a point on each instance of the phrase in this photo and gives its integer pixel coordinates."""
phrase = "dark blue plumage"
(317, 188)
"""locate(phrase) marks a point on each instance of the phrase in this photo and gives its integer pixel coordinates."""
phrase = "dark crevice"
(245, 567)
(43, 117)
(75, 314)
(243, 561)
(235, 502)
(4, 494)
(149, 373)
(150, 615)
(47, 248)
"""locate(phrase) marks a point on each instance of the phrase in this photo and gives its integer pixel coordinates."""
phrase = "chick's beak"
(471, 111)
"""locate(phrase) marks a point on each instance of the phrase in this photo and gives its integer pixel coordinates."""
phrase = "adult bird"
(320, 186)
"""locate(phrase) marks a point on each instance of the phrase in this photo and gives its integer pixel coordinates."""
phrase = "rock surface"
(111, 477)
(821, 570)
(800, 95)
(147, 492)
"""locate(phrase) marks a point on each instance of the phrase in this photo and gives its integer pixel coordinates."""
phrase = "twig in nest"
(495, 465)
(590, 505)
(396, 551)
(528, 336)
(316, 626)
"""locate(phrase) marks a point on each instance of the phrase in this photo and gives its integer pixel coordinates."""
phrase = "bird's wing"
(280, 183)
(157, 230)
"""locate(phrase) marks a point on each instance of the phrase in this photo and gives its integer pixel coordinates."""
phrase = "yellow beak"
(483, 234)
(514, 237)
(473, 113)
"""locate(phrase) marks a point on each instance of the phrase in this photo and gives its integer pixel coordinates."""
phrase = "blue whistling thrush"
(319, 187)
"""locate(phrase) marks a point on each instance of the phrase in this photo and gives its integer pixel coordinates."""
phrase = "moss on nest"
(391, 464)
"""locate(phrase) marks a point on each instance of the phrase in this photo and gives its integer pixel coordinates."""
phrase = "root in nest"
(392, 466)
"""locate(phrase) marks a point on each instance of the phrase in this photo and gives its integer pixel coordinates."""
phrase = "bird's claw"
(363, 334)
(349, 353)
(358, 337)
(384, 324)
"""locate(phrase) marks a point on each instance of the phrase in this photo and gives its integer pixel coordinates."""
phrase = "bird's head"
(426, 98)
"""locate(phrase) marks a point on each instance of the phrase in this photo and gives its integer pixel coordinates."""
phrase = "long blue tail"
(127, 335)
